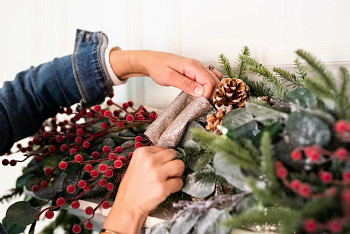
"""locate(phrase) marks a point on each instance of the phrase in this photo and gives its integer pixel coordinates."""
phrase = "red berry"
(48, 171)
(37, 159)
(295, 184)
(78, 158)
(94, 173)
(87, 187)
(75, 204)
(346, 176)
(13, 162)
(70, 189)
(111, 95)
(112, 156)
(118, 164)
(80, 132)
(131, 103)
(116, 113)
(5, 162)
(335, 226)
(63, 165)
(125, 105)
(59, 138)
(49, 214)
(72, 151)
(118, 149)
(305, 190)
(102, 182)
(325, 176)
(89, 114)
(129, 118)
(138, 139)
(295, 155)
(310, 225)
(106, 149)
(347, 127)
(340, 126)
(107, 114)
(95, 154)
(140, 117)
(86, 144)
(153, 115)
(52, 148)
(46, 135)
(63, 147)
(341, 154)
(89, 210)
(104, 125)
(122, 158)
(81, 184)
(109, 102)
(281, 172)
(44, 184)
(60, 201)
(346, 196)
(35, 188)
(88, 167)
(89, 225)
(138, 144)
(78, 140)
(109, 173)
(313, 153)
(36, 141)
(102, 167)
(97, 108)
(69, 111)
(120, 124)
(110, 186)
(76, 229)
(105, 205)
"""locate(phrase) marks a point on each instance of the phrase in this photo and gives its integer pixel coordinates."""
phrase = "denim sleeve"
(37, 93)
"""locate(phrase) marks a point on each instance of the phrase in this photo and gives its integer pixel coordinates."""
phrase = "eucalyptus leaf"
(248, 130)
(184, 223)
(236, 118)
(51, 191)
(21, 181)
(21, 213)
(12, 228)
(230, 172)
(197, 188)
(305, 129)
(108, 141)
(264, 114)
(212, 222)
(303, 97)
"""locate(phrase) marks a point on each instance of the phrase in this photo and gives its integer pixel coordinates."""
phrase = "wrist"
(129, 63)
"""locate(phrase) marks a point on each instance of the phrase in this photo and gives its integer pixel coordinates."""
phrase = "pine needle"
(241, 65)
(226, 66)
(288, 77)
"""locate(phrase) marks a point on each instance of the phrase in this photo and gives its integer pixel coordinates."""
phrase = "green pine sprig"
(287, 77)
(225, 66)
(241, 65)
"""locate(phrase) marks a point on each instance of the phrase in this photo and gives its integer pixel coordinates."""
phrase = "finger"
(186, 84)
(165, 155)
(212, 74)
(154, 149)
(174, 184)
(174, 168)
(217, 73)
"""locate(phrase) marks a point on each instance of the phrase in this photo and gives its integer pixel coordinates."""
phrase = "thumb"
(186, 84)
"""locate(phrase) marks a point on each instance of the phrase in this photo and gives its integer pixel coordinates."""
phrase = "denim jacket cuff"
(88, 62)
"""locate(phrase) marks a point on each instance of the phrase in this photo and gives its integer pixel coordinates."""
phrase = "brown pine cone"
(214, 120)
(231, 94)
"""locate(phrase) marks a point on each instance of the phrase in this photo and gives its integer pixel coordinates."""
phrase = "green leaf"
(21, 181)
(212, 222)
(21, 213)
(264, 114)
(12, 228)
(272, 129)
(248, 130)
(305, 129)
(303, 97)
(230, 172)
(196, 188)
(236, 118)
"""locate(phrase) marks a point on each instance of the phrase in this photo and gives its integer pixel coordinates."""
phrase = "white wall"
(35, 31)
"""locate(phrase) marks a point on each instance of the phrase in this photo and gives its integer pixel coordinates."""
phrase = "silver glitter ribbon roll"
(168, 128)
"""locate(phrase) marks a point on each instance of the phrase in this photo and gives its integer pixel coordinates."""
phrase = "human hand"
(151, 177)
(167, 69)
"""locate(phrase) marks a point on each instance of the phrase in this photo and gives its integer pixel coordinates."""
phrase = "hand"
(167, 69)
(151, 177)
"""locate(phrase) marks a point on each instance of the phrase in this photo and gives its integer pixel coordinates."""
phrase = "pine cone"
(231, 94)
(214, 120)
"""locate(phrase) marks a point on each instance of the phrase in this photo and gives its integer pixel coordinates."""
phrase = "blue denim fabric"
(37, 93)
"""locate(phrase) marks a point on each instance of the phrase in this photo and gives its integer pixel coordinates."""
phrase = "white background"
(35, 31)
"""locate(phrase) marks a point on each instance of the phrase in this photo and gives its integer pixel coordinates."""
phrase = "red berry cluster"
(342, 129)
(75, 139)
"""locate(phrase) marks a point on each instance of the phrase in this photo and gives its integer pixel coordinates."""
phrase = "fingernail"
(199, 90)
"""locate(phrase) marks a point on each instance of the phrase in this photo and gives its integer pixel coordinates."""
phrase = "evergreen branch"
(300, 69)
(267, 154)
(259, 89)
(343, 102)
(258, 69)
(288, 77)
(225, 65)
(13, 192)
(318, 67)
(318, 89)
(241, 65)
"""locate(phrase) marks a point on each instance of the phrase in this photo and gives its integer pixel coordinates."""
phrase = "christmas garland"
(274, 156)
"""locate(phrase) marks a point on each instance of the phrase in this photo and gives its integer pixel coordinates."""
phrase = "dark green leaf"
(21, 213)
(264, 114)
(196, 188)
(12, 228)
(303, 97)
(21, 181)
(272, 129)
(236, 118)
